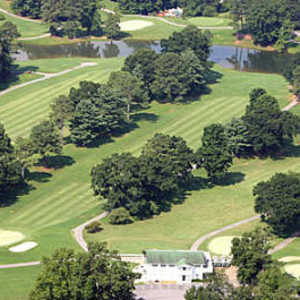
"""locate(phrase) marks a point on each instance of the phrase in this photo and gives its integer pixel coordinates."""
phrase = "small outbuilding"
(178, 266)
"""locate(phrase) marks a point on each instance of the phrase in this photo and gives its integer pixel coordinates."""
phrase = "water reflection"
(242, 59)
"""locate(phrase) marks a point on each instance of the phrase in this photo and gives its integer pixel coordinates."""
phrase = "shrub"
(120, 216)
(94, 227)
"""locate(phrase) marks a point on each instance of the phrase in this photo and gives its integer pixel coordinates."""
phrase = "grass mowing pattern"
(17, 282)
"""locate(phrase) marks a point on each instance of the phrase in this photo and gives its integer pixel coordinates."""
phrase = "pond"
(242, 59)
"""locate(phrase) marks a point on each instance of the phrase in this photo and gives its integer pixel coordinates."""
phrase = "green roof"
(175, 257)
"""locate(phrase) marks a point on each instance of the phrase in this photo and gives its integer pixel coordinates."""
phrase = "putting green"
(293, 270)
(221, 245)
(289, 258)
(10, 237)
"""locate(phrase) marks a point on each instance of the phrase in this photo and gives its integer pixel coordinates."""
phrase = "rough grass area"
(221, 245)
(26, 28)
(293, 269)
(17, 283)
(10, 237)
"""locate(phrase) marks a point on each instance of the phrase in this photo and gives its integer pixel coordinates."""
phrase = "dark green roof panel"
(175, 257)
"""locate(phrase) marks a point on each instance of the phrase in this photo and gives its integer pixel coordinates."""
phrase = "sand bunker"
(294, 270)
(23, 247)
(221, 245)
(10, 237)
(134, 25)
(289, 258)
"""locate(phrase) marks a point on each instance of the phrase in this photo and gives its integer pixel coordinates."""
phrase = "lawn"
(5, 5)
(26, 28)
(293, 249)
(209, 21)
(17, 282)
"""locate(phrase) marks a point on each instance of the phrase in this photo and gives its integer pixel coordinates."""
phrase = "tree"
(120, 216)
(218, 288)
(176, 76)
(141, 65)
(264, 18)
(98, 274)
(8, 32)
(74, 18)
(100, 114)
(256, 93)
(176, 149)
(250, 254)
(275, 285)
(112, 26)
(27, 8)
(237, 135)
(10, 167)
(61, 111)
(238, 10)
(26, 153)
(296, 81)
(129, 88)
(190, 38)
(269, 129)
(285, 36)
(199, 7)
(278, 201)
(214, 154)
(46, 140)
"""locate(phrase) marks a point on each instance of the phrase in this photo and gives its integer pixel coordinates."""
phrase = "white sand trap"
(289, 258)
(134, 25)
(10, 237)
(23, 247)
(221, 245)
(294, 270)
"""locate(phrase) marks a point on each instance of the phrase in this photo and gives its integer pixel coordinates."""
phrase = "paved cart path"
(47, 76)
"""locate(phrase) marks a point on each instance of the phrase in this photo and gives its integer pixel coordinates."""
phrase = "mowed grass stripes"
(48, 212)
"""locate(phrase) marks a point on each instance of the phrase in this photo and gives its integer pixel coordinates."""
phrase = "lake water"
(242, 59)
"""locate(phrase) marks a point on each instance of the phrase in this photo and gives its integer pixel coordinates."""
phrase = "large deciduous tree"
(10, 167)
(176, 149)
(61, 112)
(190, 38)
(112, 26)
(269, 129)
(98, 274)
(46, 140)
(278, 201)
(141, 65)
(27, 8)
(98, 115)
(8, 32)
(214, 154)
(250, 254)
(129, 88)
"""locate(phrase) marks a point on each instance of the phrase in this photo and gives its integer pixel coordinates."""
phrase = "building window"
(171, 266)
(183, 277)
(163, 265)
(154, 265)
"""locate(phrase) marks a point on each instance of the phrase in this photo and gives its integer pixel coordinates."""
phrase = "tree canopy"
(278, 201)
(10, 167)
(214, 154)
(27, 8)
(250, 254)
(96, 275)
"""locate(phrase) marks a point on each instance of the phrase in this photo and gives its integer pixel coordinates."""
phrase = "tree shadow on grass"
(10, 197)
(41, 177)
(149, 117)
(232, 178)
(13, 78)
(56, 162)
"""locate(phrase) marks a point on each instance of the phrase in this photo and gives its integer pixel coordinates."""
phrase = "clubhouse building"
(175, 266)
